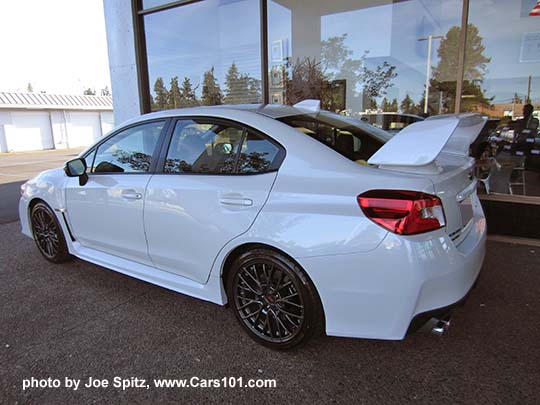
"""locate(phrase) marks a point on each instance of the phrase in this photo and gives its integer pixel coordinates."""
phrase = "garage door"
(84, 128)
(28, 131)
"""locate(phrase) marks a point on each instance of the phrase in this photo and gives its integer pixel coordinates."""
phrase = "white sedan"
(302, 220)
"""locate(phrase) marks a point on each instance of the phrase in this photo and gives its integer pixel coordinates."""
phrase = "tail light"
(403, 212)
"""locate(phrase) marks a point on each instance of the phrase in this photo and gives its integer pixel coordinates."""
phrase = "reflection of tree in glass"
(309, 78)
(306, 82)
(444, 74)
(177, 166)
(253, 162)
(227, 166)
(175, 96)
(181, 166)
(408, 106)
(377, 81)
(388, 106)
(211, 92)
(188, 94)
(161, 98)
(241, 88)
(138, 161)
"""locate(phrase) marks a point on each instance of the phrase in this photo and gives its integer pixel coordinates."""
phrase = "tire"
(48, 234)
(274, 300)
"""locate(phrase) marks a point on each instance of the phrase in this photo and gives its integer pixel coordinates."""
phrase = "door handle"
(243, 202)
(131, 195)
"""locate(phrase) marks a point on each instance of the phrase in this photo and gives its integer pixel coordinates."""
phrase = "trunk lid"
(438, 148)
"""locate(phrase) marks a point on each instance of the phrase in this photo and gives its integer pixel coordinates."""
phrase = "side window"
(257, 155)
(129, 151)
(351, 142)
(199, 146)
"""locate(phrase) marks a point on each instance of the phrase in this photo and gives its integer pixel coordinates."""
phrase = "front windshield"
(352, 138)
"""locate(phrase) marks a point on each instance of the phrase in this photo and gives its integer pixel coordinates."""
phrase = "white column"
(122, 61)
(3, 142)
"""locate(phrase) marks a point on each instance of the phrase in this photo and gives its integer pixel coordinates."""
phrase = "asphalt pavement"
(78, 320)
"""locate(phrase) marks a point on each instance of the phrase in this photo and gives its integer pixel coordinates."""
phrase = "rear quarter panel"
(312, 209)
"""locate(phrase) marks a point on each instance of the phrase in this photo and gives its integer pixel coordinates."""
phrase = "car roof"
(272, 111)
(269, 110)
(394, 113)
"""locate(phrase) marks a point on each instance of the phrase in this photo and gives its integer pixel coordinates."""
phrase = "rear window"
(349, 137)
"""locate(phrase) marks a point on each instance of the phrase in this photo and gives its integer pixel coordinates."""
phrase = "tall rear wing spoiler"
(418, 145)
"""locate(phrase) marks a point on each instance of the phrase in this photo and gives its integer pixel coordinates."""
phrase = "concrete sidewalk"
(24, 165)
(16, 168)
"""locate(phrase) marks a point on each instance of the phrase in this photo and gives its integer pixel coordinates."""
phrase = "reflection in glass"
(257, 155)
(359, 59)
(205, 53)
(128, 151)
(349, 137)
(154, 3)
(502, 81)
(202, 147)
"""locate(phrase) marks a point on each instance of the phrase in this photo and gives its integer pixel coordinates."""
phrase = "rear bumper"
(422, 318)
(378, 294)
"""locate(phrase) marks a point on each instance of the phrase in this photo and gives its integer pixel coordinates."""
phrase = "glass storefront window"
(389, 63)
(204, 53)
(363, 60)
(155, 3)
(502, 81)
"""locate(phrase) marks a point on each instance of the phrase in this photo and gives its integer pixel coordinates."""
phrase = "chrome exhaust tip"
(441, 326)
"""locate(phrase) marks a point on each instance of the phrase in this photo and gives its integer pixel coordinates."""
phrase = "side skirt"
(211, 291)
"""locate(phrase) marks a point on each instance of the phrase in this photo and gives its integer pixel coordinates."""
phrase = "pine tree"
(407, 105)
(189, 98)
(161, 97)
(237, 86)
(175, 95)
(254, 91)
(394, 105)
(211, 92)
(385, 105)
(231, 84)
(448, 52)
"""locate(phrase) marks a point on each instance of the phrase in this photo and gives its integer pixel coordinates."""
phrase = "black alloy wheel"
(274, 300)
(48, 234)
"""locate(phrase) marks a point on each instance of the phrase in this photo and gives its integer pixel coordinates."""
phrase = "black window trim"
(276, 164)
(155, 155)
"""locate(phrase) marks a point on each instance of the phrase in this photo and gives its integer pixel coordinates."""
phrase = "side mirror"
(77, 168)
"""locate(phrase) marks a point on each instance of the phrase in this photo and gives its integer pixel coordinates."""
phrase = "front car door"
(216, 177)
(106, 214)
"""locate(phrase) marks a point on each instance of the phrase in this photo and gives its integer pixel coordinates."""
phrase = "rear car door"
(106, 213)
(216, 176)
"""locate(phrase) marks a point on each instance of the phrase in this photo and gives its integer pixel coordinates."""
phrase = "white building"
(34, 121)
